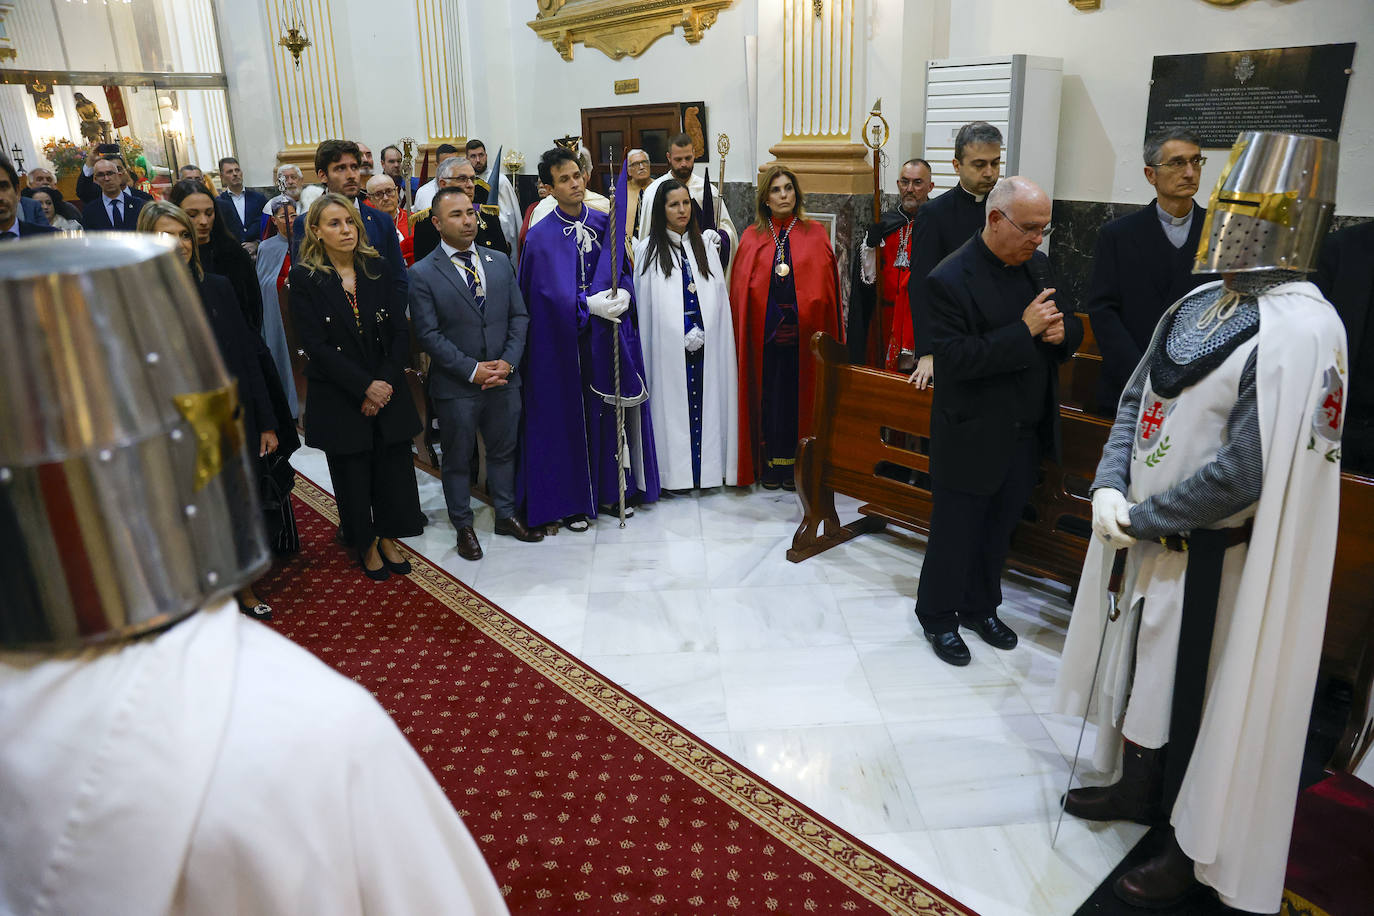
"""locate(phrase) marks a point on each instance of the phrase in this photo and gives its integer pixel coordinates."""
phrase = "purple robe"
(568, 462)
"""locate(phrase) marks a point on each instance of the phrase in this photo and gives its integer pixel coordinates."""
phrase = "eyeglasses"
(1178, 163)
(1042, 231)
(392, 193)
(641, 164)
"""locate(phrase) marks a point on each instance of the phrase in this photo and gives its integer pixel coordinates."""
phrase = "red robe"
(897, 331)
(818, 309)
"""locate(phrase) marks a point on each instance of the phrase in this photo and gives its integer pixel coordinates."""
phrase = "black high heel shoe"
(381, 573)
(401, 569)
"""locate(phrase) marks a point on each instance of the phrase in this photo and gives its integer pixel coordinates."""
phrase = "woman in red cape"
(783, 288)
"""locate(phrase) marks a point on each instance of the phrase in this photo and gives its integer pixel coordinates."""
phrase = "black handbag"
(275, 484)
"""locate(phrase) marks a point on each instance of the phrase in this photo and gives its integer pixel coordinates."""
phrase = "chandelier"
(295, 40)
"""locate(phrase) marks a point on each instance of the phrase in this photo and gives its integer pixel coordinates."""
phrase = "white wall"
(1107, 60)
(246, 47)
(526, 95)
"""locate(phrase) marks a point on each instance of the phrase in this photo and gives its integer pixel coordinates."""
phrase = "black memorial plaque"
(1297, 90)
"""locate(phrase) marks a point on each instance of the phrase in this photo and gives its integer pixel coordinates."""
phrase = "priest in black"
(1144, 261)
(1345, 274)
(998, 338)
(947, 222)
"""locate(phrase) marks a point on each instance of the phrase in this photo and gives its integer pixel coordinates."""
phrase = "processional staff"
(407, 167)
(621, 448)
(875, 134)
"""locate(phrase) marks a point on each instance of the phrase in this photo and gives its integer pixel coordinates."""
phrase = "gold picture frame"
(621, 28)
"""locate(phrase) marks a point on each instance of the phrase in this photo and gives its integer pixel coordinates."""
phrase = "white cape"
(1234, 814)
(659, 301)
(218, 768)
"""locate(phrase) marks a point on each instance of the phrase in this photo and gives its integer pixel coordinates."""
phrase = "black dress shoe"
(380, 574)
(513, 528)
(401, 569)
(468, 548)
(994, 632)
(949, 648)
(1161, 883)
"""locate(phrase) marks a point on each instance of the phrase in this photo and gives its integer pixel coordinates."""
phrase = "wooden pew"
(870, 433)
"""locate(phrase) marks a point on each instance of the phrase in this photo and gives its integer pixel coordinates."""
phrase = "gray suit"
(457, 335)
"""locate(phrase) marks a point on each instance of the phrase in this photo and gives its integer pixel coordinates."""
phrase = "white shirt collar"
(1169, 219)
(450, 251)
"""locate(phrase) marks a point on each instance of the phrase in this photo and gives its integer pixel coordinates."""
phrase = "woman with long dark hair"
(689, 345)
(783, 289)
(238, 346)
(219, 253)
(358, 412)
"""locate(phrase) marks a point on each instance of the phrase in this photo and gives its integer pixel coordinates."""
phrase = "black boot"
(1134, 798)
(1163, 882)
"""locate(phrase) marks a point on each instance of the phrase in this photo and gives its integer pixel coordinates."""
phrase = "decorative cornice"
(1087, 4)
(621, 28)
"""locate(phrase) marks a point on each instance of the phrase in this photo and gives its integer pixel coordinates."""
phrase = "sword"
(613, 238)
(1113, 612)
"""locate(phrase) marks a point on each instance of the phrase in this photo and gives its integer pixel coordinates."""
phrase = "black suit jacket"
(381, 235)
(940, 227)
(96, 218)
(1345, 276)
(345, 360)
(27, 229)
(248, 229)
(87, 190)
(983, 361)
(1137, 275)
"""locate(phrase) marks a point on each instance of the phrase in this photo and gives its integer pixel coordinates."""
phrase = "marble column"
(820, 124)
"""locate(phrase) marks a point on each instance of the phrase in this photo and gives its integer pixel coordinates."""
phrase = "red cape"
(818, 309)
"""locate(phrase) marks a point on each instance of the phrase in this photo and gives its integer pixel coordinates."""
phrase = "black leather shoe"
(994, 632)
(513, 528)
(1161, 883)
(949, 648)
(468, 548)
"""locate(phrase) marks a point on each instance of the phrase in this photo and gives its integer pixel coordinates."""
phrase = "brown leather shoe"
(1161, 883)
(513, 527)
(1134, 798)
(468, 548)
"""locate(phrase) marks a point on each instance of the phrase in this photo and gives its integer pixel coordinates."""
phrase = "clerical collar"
(1169, 219)
(977, 198)
(987, 253)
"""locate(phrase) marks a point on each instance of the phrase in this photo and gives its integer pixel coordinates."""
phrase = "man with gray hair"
(998, 338)
(290, 181)
(1144, 261)
(457, 172)
(945, 223)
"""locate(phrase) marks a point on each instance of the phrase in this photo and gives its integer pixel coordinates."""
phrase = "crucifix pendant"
(902, 260)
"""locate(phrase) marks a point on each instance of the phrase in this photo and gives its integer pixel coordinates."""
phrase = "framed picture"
(828, 221)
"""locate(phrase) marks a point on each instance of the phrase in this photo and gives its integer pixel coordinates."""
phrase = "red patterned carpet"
(582, 798)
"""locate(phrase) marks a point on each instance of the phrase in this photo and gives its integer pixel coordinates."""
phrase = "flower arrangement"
(67, 158)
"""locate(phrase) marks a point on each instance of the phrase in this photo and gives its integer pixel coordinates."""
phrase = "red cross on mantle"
(1332, 407)
(1151, 420)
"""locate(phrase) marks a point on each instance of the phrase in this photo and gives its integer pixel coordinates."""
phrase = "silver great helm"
(126, 496)
(1271, 206)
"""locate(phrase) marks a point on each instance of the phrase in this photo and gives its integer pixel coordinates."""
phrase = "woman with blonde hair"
(783, 288)
(238, 346)
(358, 411)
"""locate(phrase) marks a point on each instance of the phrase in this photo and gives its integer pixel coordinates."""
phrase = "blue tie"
(470, 275)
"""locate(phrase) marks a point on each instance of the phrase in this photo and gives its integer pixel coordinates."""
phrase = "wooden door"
(608, 132)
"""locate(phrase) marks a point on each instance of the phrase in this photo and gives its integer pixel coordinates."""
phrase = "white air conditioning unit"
(1019, 94)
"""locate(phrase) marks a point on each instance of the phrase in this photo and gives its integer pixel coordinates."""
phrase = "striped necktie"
(469, 271)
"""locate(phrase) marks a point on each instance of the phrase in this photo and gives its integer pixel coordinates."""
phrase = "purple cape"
(568, 460)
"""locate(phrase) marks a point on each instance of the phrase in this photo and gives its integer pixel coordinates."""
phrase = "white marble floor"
(817, 677)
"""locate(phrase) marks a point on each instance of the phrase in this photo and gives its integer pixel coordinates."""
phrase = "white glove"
(694, 339)
(711, 236)
(1112, 513)
(609, 305)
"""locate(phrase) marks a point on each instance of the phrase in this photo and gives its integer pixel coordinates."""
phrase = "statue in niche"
(691, 125)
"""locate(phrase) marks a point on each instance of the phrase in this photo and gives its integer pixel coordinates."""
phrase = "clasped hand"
(376, 397)
(1044, 319)
(492, 374)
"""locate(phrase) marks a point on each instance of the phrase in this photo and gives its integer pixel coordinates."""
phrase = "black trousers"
(376, 493)
(961, 578)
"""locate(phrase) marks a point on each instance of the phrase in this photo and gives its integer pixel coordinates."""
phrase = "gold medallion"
(782, 270)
